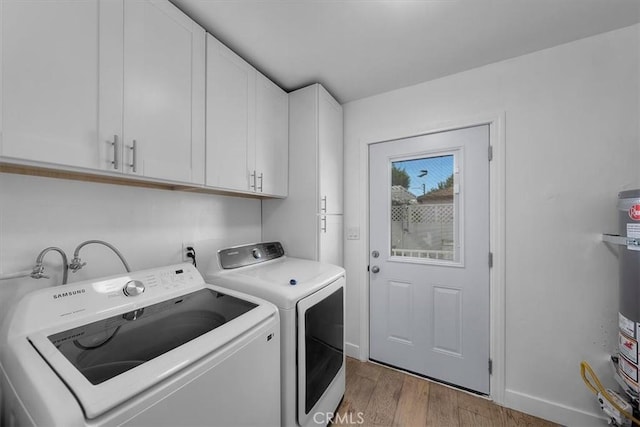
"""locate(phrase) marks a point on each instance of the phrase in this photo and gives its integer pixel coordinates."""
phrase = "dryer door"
(320, 330)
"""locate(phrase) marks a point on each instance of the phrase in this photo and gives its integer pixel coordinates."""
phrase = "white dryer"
(154, 347)
(310, 297)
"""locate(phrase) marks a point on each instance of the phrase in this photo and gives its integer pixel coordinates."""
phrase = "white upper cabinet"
(52, 52)
(309, 221)
(330, 153)
(230, 117)
(247, 126)
(164, 84)
(83, 80)
(272, 138)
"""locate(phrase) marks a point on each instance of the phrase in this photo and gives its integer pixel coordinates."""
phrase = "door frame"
(497, 225)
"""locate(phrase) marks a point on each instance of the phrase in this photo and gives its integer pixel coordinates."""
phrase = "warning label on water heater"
(629, 369)
(633, 232)
(627, 326)
(628, 348)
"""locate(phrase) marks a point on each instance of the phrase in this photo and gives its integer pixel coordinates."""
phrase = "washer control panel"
(241, 256)
(133, 288)
(85, 298)
(150, 281)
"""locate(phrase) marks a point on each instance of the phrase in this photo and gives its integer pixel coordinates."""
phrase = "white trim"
(352, 350)
(364, 219)
(552, 411)
(497, 245)
(497, 224)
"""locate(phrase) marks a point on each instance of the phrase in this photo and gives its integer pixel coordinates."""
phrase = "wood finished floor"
(380, 396)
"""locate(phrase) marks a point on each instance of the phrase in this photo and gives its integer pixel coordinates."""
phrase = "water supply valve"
(76, 264)
(38, 272)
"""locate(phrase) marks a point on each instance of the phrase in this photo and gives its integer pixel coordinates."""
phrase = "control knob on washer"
(133, 288)
(256, 253)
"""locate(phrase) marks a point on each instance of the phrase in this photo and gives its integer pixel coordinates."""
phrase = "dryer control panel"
(241, 256)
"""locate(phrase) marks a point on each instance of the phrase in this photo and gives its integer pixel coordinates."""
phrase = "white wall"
(147, 225)
(571, 143)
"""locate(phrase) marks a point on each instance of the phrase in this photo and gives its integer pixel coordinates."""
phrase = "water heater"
(629, 307)
(620, 410)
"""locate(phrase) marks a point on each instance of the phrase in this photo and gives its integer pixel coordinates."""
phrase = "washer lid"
(109, 361)
(282, 281)
(106, 348)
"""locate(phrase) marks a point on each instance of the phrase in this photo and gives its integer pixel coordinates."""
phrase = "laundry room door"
(429, 255)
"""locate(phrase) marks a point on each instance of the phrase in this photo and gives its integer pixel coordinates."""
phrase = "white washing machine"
(310, 297)
(154, 347)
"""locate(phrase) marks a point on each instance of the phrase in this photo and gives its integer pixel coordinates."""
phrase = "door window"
(424, 209)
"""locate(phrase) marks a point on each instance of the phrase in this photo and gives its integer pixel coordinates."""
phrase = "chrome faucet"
(38, 269)
(77, 264)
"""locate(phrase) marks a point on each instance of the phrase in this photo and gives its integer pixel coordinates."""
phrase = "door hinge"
(490, 259)
(490, 367)
(490, 152)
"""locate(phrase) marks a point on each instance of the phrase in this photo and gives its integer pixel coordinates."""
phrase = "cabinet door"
(330, 153)
(61, 84)
(164, 53)
(230, 119)
(272, 138)
(331, 248)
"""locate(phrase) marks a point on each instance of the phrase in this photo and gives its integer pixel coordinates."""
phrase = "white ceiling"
(359, 48)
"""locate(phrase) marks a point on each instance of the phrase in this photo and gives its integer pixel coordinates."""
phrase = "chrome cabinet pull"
(260, 178)
(324, 224)
(252, 176)
(134, 160)
(323, 208)
(115, 162)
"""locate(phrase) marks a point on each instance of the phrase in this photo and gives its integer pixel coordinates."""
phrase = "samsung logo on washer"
(69, 294)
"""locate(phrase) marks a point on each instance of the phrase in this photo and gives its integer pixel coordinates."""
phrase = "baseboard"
(352, 350)
(551, 411)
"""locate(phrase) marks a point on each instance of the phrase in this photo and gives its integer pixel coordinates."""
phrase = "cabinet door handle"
(260, 178)
(252, 177)
(323, 227)
(115, 162)
(323, 208)
(134, 160)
